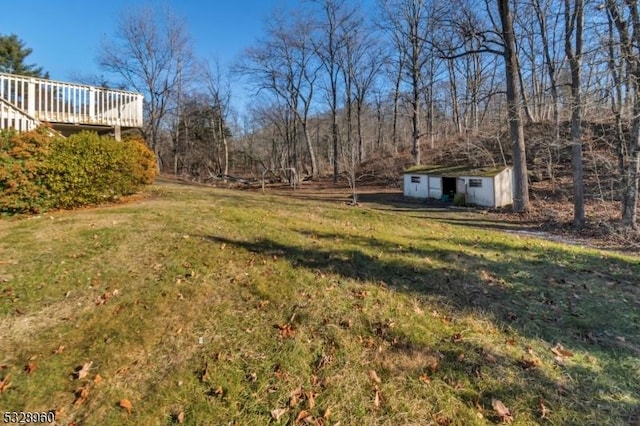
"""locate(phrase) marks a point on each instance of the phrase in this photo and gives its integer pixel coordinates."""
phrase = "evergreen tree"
(13, 53)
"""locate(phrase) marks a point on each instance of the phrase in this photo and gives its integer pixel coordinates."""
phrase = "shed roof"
(455, 171)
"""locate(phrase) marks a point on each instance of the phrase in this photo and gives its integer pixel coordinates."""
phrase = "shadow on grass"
(583, 301)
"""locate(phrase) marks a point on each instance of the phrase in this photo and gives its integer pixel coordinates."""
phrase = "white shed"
(487, 186)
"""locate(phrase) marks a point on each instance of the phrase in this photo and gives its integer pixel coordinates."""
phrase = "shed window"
(415, 179)
(475, 183)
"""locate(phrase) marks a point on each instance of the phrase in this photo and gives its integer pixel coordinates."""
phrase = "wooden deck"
(26, 102)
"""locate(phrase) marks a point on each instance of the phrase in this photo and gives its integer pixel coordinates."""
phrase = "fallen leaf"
(562, 389)
(543, 409)
(278, 413)
(502, 411)
(424, 378)
(204, 375)
(360, 294)
(560, 361)
(511, 341)
(262, 304)
(103, 299)
(374, 376)
(327, 413)
(311, 401)
(81, 395)
(5, 383)
(443, 421)
(376, 397)
(491, 359)
(180, 417)
(456, 338)
(560, 351)
(486, 276)
(433, 364)
(31, 367)
(216, 393)
(84, 370)
(528, 364)
(58, 413)
(126, 404)
(97, 379)
(302, 415)
(294, 397)
(286, 331)
(59, 350)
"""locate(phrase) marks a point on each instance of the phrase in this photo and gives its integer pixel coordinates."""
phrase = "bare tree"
(283, 65)
(499, 39)
(410, 23)
(516, 130)
(625, 16)
(336, 17)
(151, 52)
(574, 26)
(219, 93)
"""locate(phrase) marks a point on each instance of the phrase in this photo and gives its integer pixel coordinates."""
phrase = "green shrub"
(460, 199)
(22, 163)
(39, 171)
(145, 168)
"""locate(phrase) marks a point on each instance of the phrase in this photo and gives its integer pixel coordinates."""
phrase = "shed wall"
(435, 187)
(495, 191)
(415, 189)
(483, 195)
(504, 188)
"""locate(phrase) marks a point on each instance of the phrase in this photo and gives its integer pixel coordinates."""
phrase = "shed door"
(461, 186)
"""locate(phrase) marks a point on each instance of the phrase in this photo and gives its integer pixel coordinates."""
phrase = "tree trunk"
(523, 92)
(629, 39)
(520, 178)
(453, 92)
(574, 23)
(359, 131)
(630, 198)
(312, 154)
(415, 104)
(396, 101)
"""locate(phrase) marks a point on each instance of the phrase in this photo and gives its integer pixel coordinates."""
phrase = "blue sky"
(66, 34)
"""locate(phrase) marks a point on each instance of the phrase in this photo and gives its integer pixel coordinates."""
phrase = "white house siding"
(483, 195)
(415, 189)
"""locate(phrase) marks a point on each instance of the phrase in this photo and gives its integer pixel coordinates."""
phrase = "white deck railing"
(12, 118)
(59, 102)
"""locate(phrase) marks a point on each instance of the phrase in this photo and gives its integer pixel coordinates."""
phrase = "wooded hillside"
(548, 86)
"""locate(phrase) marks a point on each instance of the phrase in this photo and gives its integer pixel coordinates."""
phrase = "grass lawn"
(206, 307)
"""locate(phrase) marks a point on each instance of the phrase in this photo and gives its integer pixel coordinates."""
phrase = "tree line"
(336, 84)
